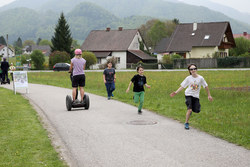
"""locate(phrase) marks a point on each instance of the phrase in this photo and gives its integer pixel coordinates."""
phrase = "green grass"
(23, 140)
(227, 117)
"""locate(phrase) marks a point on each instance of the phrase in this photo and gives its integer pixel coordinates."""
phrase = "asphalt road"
(112, 134)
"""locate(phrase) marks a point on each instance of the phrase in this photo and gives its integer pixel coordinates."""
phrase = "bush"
(38, 59)
(228, 62)
(166, 59)
(90, 58)
(24, 59)
(175, 56)
(242, 46)
(58, 57)
(247, 54)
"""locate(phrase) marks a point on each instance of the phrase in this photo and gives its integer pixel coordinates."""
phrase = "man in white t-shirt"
(193, 84)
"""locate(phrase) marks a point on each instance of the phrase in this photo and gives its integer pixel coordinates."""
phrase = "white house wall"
(123, 59)
(135, 45)
(121, 65)
(96, 66)
(3, 52)
(202, 52)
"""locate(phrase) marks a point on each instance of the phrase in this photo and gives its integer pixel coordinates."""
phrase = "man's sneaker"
(139, 112)
(74, 102)
(186, 126)
(108, 98)
(112, 95)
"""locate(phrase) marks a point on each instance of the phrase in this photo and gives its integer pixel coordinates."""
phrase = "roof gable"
(206, 35)
(112, 40)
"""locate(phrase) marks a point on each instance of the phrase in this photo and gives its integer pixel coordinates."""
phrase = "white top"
(194, 85)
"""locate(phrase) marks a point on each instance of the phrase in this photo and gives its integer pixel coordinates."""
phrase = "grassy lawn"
(23, 140)
(227, 117)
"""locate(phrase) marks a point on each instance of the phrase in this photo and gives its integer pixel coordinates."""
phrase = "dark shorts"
(78, 80)
(193, 103)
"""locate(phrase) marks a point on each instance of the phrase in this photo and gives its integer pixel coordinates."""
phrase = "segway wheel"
(86, 101)
(68, 102)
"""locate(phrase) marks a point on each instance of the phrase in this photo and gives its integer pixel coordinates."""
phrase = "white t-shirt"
(194, 85)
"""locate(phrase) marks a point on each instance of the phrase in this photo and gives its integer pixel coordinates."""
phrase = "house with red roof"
(123, 44)
(244, 35)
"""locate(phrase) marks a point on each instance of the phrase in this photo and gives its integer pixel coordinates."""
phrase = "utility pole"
(7, 48)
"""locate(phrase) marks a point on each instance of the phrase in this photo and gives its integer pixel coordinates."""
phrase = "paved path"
(103, 136)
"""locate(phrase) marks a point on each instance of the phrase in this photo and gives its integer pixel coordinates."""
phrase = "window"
(118, 60)
(99, 61)
(206, 36)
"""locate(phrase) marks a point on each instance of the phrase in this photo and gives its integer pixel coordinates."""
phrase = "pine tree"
(19, 43)
(62, 40)
(2, 41)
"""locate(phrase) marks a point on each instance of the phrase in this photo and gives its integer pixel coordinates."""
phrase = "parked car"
(61, 67)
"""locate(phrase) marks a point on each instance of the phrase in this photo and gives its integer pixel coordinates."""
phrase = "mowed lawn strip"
(226, 117)
(23, 140)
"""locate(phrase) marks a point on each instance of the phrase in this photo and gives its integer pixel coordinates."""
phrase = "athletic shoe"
(139, 112)
(74, 102)
(108, 98)
(112, 95)
(186, 126)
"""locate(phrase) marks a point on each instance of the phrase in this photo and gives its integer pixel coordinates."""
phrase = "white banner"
(20, 80)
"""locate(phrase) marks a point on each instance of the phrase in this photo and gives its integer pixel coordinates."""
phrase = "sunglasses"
(191, 69)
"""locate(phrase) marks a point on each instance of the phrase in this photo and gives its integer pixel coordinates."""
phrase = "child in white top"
(194, 83)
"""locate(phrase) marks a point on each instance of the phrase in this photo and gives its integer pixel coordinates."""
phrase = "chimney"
(108, 29)
(194, 26)
(244, 33)
(120, 28)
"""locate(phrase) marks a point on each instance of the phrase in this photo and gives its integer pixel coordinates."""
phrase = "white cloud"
(5, 2)
(240, 5)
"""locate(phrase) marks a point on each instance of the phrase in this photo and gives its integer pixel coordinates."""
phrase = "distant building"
(198, 40)
(3, 51)
(244, 35)
(46, 50)
(123, 44)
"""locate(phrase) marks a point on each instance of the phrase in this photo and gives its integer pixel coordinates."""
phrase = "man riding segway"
(5, 67)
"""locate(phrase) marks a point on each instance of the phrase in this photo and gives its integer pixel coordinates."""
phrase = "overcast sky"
(241, 5)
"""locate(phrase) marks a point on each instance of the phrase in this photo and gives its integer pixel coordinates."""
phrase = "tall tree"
(44, 42)
(157, 32)
(154, 30)
(19, 43)
(38, 41)
(28, 43)
(242, 46)
(2, 41)
(62, 40)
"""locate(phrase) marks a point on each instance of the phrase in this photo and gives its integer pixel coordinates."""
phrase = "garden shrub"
(228, 62)
(37, 58)
(58, 57)
(90, 58)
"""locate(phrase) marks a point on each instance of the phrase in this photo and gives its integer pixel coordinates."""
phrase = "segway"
(77, 103)
(5, 82)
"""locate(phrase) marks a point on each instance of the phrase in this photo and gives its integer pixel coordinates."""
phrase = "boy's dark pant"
(4, 73)
(110, 87)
